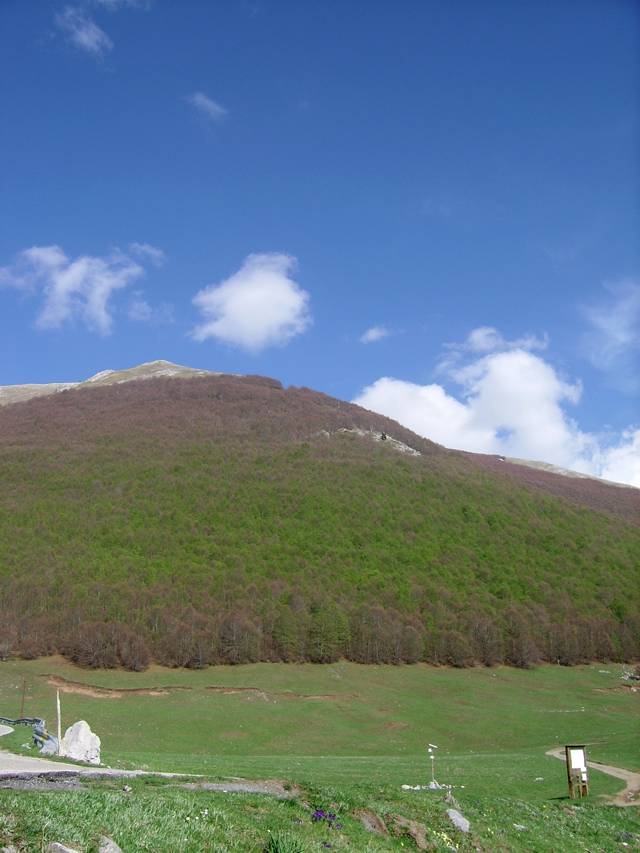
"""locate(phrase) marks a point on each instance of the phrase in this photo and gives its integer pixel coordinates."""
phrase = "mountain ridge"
(159, 368)
(147, 370)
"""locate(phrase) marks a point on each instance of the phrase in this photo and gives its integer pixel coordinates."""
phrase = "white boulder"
(81, 744)
(458, 820)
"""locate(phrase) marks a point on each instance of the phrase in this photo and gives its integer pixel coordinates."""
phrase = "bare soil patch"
(267, 696)
(95, 692)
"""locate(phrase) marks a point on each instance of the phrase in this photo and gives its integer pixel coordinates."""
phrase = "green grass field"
(350, 736)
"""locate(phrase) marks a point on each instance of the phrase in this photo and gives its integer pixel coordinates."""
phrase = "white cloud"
(621, 462)
(375, 333)
(83, 32)
(486, 339)
(612, 343)
(510, 402)
(31, 264)
(145, 251)
(140, 311)
(72, 289)
(257, 307)
(207, 106)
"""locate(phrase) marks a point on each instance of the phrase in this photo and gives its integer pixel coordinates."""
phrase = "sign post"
(577, 773)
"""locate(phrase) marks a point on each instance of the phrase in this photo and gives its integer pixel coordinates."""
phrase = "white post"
(59, 723)
(432, 755)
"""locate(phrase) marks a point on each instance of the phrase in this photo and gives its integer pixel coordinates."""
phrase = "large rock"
(81, 744)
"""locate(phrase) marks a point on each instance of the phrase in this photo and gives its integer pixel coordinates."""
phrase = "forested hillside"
(226, 519)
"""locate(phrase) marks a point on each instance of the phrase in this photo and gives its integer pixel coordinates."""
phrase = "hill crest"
(148, 370)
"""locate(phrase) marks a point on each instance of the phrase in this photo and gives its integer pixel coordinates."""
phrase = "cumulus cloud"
(72, 288)
(207, 106)
(257, 307)
(83, 32)
(375, 333)
(509, 401)
(612, 343)
(621, 461)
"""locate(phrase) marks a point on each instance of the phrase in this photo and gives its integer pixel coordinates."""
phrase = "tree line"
(321, 633)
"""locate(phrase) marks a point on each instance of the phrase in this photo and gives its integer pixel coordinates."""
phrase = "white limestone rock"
(458, 820)
(81, 744)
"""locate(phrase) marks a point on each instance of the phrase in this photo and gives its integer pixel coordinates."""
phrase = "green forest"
(137, 524)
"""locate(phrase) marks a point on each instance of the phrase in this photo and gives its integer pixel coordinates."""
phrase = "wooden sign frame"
(577, 770)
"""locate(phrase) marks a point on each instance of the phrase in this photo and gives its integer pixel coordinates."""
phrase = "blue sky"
(459, 177)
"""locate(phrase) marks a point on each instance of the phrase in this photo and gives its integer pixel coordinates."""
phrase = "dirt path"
(630, 796)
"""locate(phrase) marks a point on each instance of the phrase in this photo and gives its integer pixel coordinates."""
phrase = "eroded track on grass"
(272, 695)
(94, 691)
(630, 796)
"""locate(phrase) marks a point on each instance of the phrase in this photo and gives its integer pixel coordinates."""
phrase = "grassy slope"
(492, 726)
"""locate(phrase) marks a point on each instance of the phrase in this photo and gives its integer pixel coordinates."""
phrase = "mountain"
(195, 517)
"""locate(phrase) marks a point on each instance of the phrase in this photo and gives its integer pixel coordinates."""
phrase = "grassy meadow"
(350, 736)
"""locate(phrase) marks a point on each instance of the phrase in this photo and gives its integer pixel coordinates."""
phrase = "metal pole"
(24, 690)
(59, 722)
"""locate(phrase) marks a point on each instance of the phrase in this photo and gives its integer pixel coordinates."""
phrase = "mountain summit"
(148, 370)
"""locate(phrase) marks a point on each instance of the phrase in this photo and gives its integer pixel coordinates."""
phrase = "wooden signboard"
(577, 772)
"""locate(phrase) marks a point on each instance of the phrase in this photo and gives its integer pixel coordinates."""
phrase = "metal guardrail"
(39, 726)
